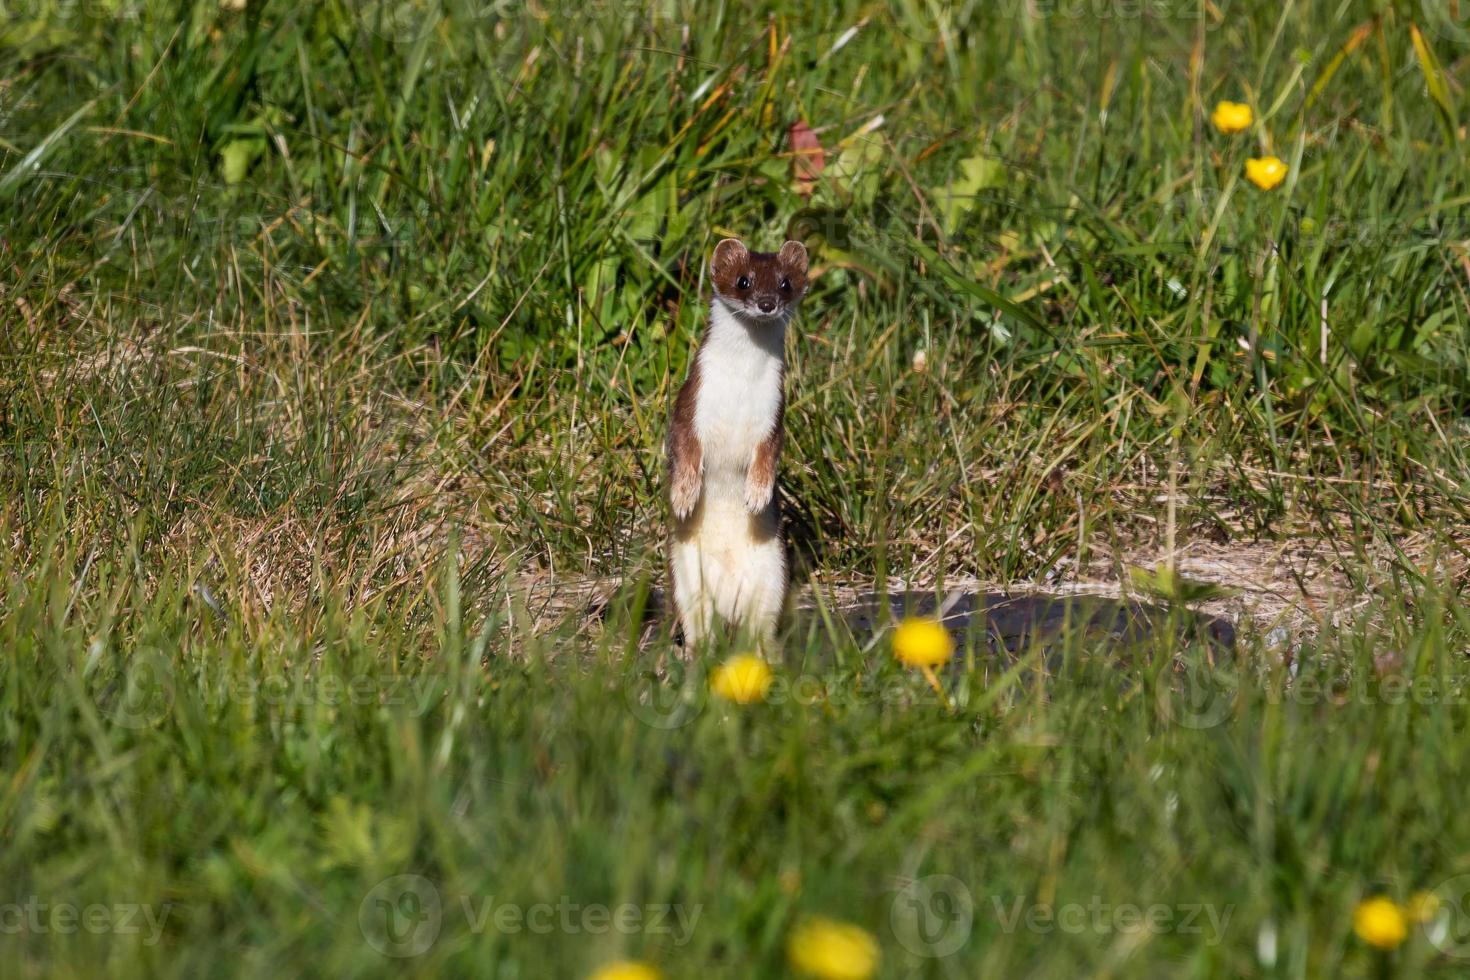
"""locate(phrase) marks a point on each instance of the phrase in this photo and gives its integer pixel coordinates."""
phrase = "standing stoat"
(725, 554)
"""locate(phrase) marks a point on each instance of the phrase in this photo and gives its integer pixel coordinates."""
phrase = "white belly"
(730, 563)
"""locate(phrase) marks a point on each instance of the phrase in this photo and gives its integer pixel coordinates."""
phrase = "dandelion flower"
(1232, 117)
(1265, 172)
(922, 643)
(743, 679)
(627, 970)
(1380, 922)
(831, 950)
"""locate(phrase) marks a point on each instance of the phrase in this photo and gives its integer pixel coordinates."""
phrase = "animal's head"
(759, 285)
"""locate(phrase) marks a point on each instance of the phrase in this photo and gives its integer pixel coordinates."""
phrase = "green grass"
(331, 333)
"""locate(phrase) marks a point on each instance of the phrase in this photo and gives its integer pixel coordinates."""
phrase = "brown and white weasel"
(725, 554)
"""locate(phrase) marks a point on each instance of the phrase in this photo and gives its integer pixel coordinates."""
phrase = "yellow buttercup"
(1232, 117)
(1380, 922)
(832, 950)
(743, 679)
(1265, 172)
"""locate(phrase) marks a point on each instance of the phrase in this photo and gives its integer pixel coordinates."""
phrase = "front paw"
(758, 495)
(684, 495)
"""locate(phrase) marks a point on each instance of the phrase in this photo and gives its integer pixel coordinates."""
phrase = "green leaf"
(858, 170)
(28, 164)
(1166, 583)
(985, 294)
(977, 173)
(1439, 89)
(28, 38)
(646, 213)
(236, 157)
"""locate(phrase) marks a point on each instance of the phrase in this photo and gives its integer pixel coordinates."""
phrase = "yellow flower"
(743, 679)
(1380, 922)
(831, 950)
(1232, 117)
(1265, 172)
(627, 970)
(1422, 906)
(922, 643)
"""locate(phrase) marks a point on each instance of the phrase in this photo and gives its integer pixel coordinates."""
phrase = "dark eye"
(785, 285)
(742, 283)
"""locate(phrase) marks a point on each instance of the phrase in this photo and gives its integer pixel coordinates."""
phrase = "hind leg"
(694, 621)
(693, 600)
(763, 591)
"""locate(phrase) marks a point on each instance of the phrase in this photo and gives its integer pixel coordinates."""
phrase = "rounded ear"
(793, 256)
(730, 251)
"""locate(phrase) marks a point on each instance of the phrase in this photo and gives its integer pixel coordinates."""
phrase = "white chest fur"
(740, 379)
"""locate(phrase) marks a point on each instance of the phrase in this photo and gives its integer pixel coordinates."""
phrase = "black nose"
(766, 305)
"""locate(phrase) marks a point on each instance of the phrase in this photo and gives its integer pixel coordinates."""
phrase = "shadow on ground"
(1013, 622)
(1017, 621)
